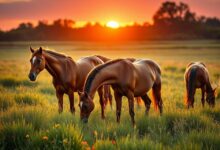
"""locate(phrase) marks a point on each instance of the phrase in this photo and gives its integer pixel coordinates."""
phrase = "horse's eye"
(38, 60)
(84, 106)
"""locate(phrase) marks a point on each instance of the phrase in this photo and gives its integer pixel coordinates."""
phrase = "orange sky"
(12, 12)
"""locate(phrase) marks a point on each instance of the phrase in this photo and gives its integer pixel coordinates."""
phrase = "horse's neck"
(102, 78)
(55, 65)
(51, 65)
(208, 87)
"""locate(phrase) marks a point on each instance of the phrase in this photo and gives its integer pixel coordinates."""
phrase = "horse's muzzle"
(32, 76)
(84, 120)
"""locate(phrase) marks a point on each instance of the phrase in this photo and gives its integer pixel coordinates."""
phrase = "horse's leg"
(203, 96)
(71, 99)
(157, 96)
(193, 98)
(147, 102)
(59, 95)
(187, 95)
(130, 97)
(101, 101)
(110, 96)
(118, 98)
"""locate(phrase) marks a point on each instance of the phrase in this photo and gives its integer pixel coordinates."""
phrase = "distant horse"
(107, 94)
(197, 76)
(68, 76)
(127, 79)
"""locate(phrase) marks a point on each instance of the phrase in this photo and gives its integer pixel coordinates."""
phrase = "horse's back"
(147, 74)
(84, 66)
(198, 72)
(147, 64)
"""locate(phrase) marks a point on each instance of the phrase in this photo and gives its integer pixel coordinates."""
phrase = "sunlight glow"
(113, 24)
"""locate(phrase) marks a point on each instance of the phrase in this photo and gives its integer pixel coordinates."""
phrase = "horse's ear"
(31, 49)
(40, 50)
(189, 64)
(203, 64)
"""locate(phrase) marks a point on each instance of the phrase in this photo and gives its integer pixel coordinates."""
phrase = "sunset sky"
(13, 12)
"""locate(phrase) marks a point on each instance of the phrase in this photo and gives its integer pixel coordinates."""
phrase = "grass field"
(29, 117)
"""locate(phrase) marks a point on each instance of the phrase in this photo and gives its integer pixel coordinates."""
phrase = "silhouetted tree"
(171, 13)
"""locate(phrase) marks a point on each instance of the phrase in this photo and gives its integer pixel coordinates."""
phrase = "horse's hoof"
(134, 125)
(72, 112)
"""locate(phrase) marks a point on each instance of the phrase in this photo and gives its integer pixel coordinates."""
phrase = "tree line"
(171, 21)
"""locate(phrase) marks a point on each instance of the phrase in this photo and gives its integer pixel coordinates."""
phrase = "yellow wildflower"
(45, 137)
(65, 141)
(95, 133)
(57, 125)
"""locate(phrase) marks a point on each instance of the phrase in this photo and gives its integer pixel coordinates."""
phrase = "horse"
(107, 94)
(127, 79)
(197, 76)
(68, 76)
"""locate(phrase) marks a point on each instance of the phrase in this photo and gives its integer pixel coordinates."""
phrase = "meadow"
(29, 117)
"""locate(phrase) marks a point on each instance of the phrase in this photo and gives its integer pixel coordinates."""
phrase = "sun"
(112, 24)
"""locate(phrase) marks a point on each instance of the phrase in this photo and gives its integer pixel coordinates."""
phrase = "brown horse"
(107, 93)
(127, 79)
(197, 76)
(68, 76)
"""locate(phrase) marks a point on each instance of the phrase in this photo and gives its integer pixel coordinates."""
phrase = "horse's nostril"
(32, 76)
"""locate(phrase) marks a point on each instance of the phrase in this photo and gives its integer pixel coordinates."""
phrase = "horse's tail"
(191, 85)
(157, 100)
(156, 92)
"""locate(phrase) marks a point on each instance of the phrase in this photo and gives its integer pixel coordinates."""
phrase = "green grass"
(29, 117)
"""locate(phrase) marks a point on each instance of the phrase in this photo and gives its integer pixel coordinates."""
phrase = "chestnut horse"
(107, 94)
(127, 79)
(197, 76)
(68, 76)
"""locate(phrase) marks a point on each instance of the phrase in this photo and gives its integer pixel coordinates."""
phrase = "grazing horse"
(68, 76)
(107, 94)
(127, 79)
(197, 76)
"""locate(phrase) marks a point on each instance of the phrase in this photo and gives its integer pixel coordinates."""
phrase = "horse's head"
(37, 63)
(210, 98)
(86, 106)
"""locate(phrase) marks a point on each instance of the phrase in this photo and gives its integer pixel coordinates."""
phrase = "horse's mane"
(95, 71)
(56, 53)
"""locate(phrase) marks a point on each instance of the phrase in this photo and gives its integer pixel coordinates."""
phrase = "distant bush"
(170, 68)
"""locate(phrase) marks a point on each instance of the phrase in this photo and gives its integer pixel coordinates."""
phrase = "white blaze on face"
(33, 60)
(80, 104)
